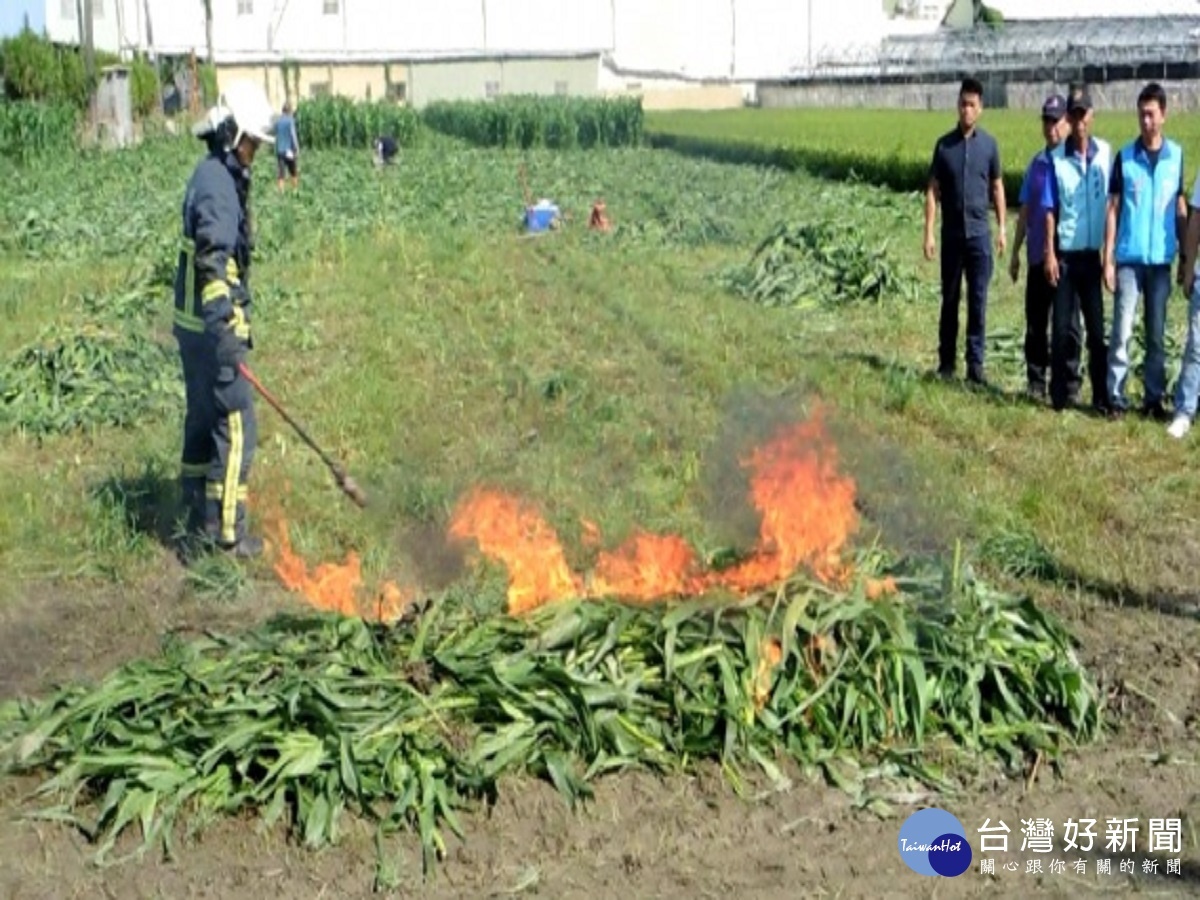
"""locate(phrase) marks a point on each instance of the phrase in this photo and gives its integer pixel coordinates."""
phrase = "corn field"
(29, 129)
(329, 122)
(558, 123)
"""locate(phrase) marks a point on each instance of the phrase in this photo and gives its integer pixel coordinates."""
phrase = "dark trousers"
(220, 434)
(972, 257)
(1039, 305)
(1080, 293)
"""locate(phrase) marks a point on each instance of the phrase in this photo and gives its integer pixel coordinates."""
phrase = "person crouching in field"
(963, 176)
(385, 150)
(1039, 294)
(1076, 200)
(1147, 214)
(287, 148)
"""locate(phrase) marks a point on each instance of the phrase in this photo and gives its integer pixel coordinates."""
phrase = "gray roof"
(1031, 44)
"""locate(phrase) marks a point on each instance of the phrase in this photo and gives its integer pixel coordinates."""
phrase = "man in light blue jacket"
(1076, 203)
(1147, 213)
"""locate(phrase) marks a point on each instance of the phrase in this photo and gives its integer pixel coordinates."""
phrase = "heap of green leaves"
(108, 369)
(306, 718)
(824, 261)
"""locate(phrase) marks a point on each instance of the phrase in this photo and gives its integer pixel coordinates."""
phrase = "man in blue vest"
(964, 177)
(1147, 213)
(1039, 294)
(1076, 200)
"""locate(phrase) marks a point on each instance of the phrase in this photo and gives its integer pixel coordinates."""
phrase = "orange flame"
(807, 509)
(807, 517)
(336, 588)
(646, 567)
(508, 529)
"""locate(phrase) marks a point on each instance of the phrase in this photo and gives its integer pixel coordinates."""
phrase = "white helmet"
(247, 102)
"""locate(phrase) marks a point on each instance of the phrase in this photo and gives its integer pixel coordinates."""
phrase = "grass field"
(889, 147)
(604, 377)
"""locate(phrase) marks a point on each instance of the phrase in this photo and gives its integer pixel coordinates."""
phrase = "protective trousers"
(220, 434)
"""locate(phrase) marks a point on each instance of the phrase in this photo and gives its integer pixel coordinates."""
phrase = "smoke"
(437, 559)
(897, 498)
(750, 419)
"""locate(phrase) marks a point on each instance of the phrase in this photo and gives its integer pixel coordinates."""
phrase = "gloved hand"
(231, 351)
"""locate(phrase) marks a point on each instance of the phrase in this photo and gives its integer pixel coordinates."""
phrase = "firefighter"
(212, 322)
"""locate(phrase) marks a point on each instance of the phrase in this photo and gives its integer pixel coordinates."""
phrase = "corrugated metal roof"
(1129, 40)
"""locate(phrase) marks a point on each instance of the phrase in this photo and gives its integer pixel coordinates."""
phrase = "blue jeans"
(1188, 387)
(1155, 283)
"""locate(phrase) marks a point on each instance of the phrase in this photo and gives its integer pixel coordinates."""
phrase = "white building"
(675, 52)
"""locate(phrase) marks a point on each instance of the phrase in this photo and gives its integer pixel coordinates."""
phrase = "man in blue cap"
(1039, 293)
(1077, 202)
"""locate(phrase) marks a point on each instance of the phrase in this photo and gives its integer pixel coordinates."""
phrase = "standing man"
(287, 148)
(212, 321)
(1187, 388)
(1076, 204)
(1147, 214)
(1039, 294)
(963, 177)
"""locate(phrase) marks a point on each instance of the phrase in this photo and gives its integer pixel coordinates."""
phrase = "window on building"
(245, 7)
(67, 9)
(491, 89)
(397, 92)
(330, 7)
(97, 9)
(319, 89)
(560, 88)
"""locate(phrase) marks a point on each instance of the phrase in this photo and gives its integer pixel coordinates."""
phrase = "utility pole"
(83, 12)
(810, 38)
(208, 31)
(732, 38)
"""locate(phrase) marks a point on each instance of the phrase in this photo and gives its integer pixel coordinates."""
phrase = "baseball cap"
(1080, 100)
(1055, 107)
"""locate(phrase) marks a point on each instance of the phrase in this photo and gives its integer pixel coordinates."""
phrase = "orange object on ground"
(599, 219)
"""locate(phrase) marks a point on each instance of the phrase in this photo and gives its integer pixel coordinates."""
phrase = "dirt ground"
(642, 837)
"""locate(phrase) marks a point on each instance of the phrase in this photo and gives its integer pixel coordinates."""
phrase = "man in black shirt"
(964, 177)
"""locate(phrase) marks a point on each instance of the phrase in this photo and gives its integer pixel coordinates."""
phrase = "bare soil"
(641, 836)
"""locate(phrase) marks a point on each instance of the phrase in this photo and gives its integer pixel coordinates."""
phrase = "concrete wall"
(1116, 95)
(468, 79)
(537, 76)
(656, 96)
(357, 81)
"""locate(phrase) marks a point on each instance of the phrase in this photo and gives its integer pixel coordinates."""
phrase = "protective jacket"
(211, 284)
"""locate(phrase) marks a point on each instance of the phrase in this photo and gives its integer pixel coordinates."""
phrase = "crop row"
(890, 148)
(31, 129)
(28, 129)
